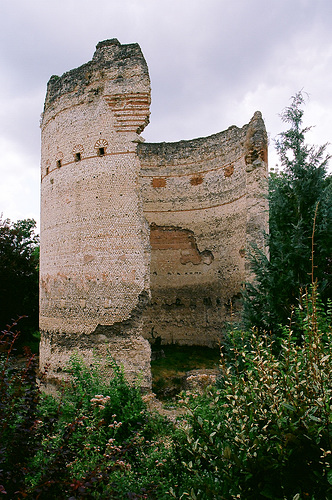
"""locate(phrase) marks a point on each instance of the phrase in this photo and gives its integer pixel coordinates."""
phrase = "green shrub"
(96, 440)
(265, 432)
(19, 397)
(99, 432)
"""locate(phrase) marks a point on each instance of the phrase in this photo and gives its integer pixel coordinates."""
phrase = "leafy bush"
(265, 432)
(19, 396)
(19, 262)
(95, 440)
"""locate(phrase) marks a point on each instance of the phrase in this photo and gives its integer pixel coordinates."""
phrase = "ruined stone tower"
(138, 240)
(94, 261)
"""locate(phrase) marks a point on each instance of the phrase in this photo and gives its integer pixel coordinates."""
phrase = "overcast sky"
(212, 64)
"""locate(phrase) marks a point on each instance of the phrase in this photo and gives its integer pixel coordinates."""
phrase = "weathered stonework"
(205, 202)
(94, 265)
(122, 220)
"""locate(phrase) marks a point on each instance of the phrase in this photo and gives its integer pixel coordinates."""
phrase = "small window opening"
(207, 301)
(58, 164)
(47, 170)
(101, 151)
(77, 156)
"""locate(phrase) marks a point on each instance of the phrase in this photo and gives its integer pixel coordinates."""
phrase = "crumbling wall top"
(173, 153)
(120, 65)
(256, 141)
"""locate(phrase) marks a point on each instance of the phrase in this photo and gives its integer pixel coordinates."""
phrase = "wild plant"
(19, 397)
(93, 440)
(265, 432)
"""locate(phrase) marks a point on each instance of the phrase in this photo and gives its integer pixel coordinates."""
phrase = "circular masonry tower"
(94, 262)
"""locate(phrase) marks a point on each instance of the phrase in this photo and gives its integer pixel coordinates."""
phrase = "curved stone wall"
(196, 198)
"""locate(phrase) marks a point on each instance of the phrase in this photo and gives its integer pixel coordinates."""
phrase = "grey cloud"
(211, 62)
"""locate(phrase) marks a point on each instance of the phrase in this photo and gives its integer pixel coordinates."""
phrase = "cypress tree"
(300, 196)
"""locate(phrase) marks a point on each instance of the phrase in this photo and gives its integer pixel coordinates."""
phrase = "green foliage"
(266, 431)
(96, 440)
(299, 196)
(169, 370)
(19, 259)
(19, 397)
(97, 431)
(263, 432)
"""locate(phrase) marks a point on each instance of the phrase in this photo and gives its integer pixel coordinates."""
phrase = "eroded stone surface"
(94, 265)
(122, 220)
(205, 203)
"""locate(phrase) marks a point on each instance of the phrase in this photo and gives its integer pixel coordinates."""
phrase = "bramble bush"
(19, 396)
